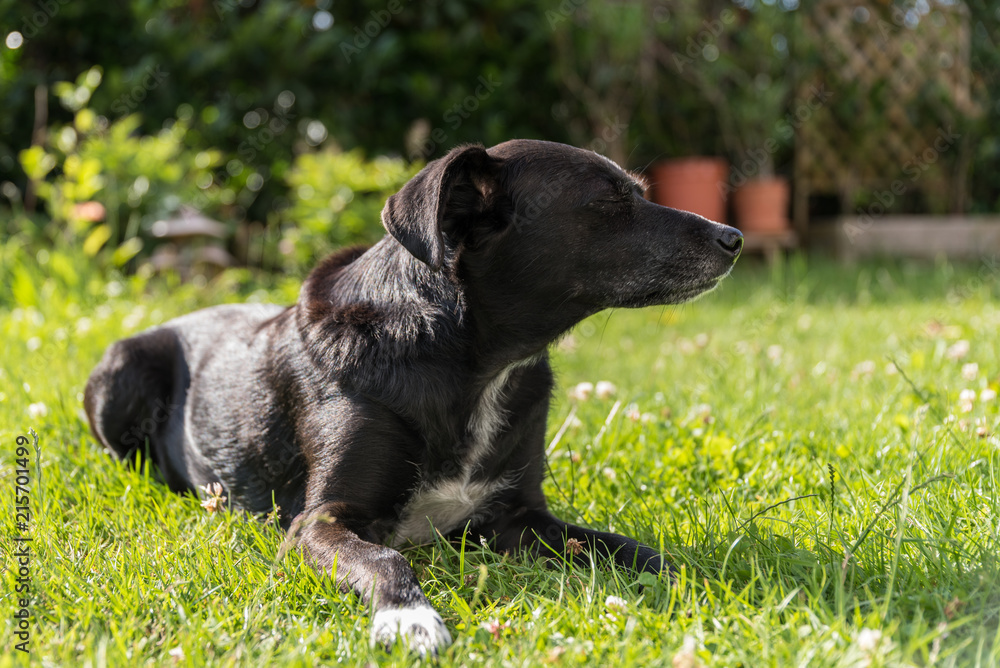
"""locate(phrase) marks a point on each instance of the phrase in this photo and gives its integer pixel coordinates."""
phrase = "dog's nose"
(731, 240)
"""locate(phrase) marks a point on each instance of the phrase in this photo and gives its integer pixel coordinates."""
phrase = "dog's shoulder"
(322, 282)
(330, 266)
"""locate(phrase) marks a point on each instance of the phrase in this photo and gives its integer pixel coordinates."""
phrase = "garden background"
(289, 122)
(815, 445)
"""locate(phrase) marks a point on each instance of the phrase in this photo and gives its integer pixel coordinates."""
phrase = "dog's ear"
(435, 202)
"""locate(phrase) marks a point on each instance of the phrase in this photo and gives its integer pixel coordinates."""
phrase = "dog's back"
(135, 397)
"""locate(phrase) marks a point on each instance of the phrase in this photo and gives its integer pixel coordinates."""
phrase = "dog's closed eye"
(617, 199)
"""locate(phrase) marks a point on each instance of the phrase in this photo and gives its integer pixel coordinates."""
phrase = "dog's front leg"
(542, 534)
(379, 575)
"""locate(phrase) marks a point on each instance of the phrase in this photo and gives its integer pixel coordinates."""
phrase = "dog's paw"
(422, 629)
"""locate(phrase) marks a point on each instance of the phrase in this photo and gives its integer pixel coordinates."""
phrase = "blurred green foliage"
(223, 100)
(985, 161)
(739, 62)
(234, 63)
(104, 184)
(337, 198)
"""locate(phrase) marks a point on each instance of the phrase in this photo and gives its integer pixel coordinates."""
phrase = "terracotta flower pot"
(761, 205)
(692, 184)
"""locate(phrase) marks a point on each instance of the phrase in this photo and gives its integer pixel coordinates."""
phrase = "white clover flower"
(702, 411)
(958, 350)
(970, 371)
(868, 639)
(865, 368)
(215, 499)
(38, 410)
(685, 656)
(965, 400)
(581, 391)
(615, 603)
(605, 389)
(568, 343)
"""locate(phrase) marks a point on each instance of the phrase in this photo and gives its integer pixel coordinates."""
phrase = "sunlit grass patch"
(815, 449)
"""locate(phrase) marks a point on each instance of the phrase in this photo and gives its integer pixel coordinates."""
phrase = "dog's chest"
(448, 504)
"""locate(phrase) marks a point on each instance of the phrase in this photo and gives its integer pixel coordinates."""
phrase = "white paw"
(422, 629)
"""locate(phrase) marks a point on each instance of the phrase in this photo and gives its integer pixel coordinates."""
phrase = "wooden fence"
(879, 104)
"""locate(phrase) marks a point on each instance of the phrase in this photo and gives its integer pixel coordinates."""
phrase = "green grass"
(822, 509)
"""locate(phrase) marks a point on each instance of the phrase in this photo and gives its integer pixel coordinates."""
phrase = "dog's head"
(556, 226)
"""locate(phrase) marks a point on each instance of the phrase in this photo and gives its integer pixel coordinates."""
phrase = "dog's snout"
(731, 241)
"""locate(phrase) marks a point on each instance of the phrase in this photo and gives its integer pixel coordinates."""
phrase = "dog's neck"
(384, 289)
(387, 275)
(492, 326)
(511, 323)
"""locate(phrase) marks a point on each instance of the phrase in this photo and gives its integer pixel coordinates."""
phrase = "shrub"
(105, 185)
(336, 199)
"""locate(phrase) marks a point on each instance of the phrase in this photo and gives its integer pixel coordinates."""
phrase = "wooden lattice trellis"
(875, 96)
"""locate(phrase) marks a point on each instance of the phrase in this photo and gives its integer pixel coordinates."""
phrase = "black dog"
(406, 392)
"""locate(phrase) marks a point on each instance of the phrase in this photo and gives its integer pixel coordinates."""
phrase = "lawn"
(814, 446)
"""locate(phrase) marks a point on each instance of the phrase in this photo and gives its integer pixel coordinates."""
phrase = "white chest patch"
(448, 504)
